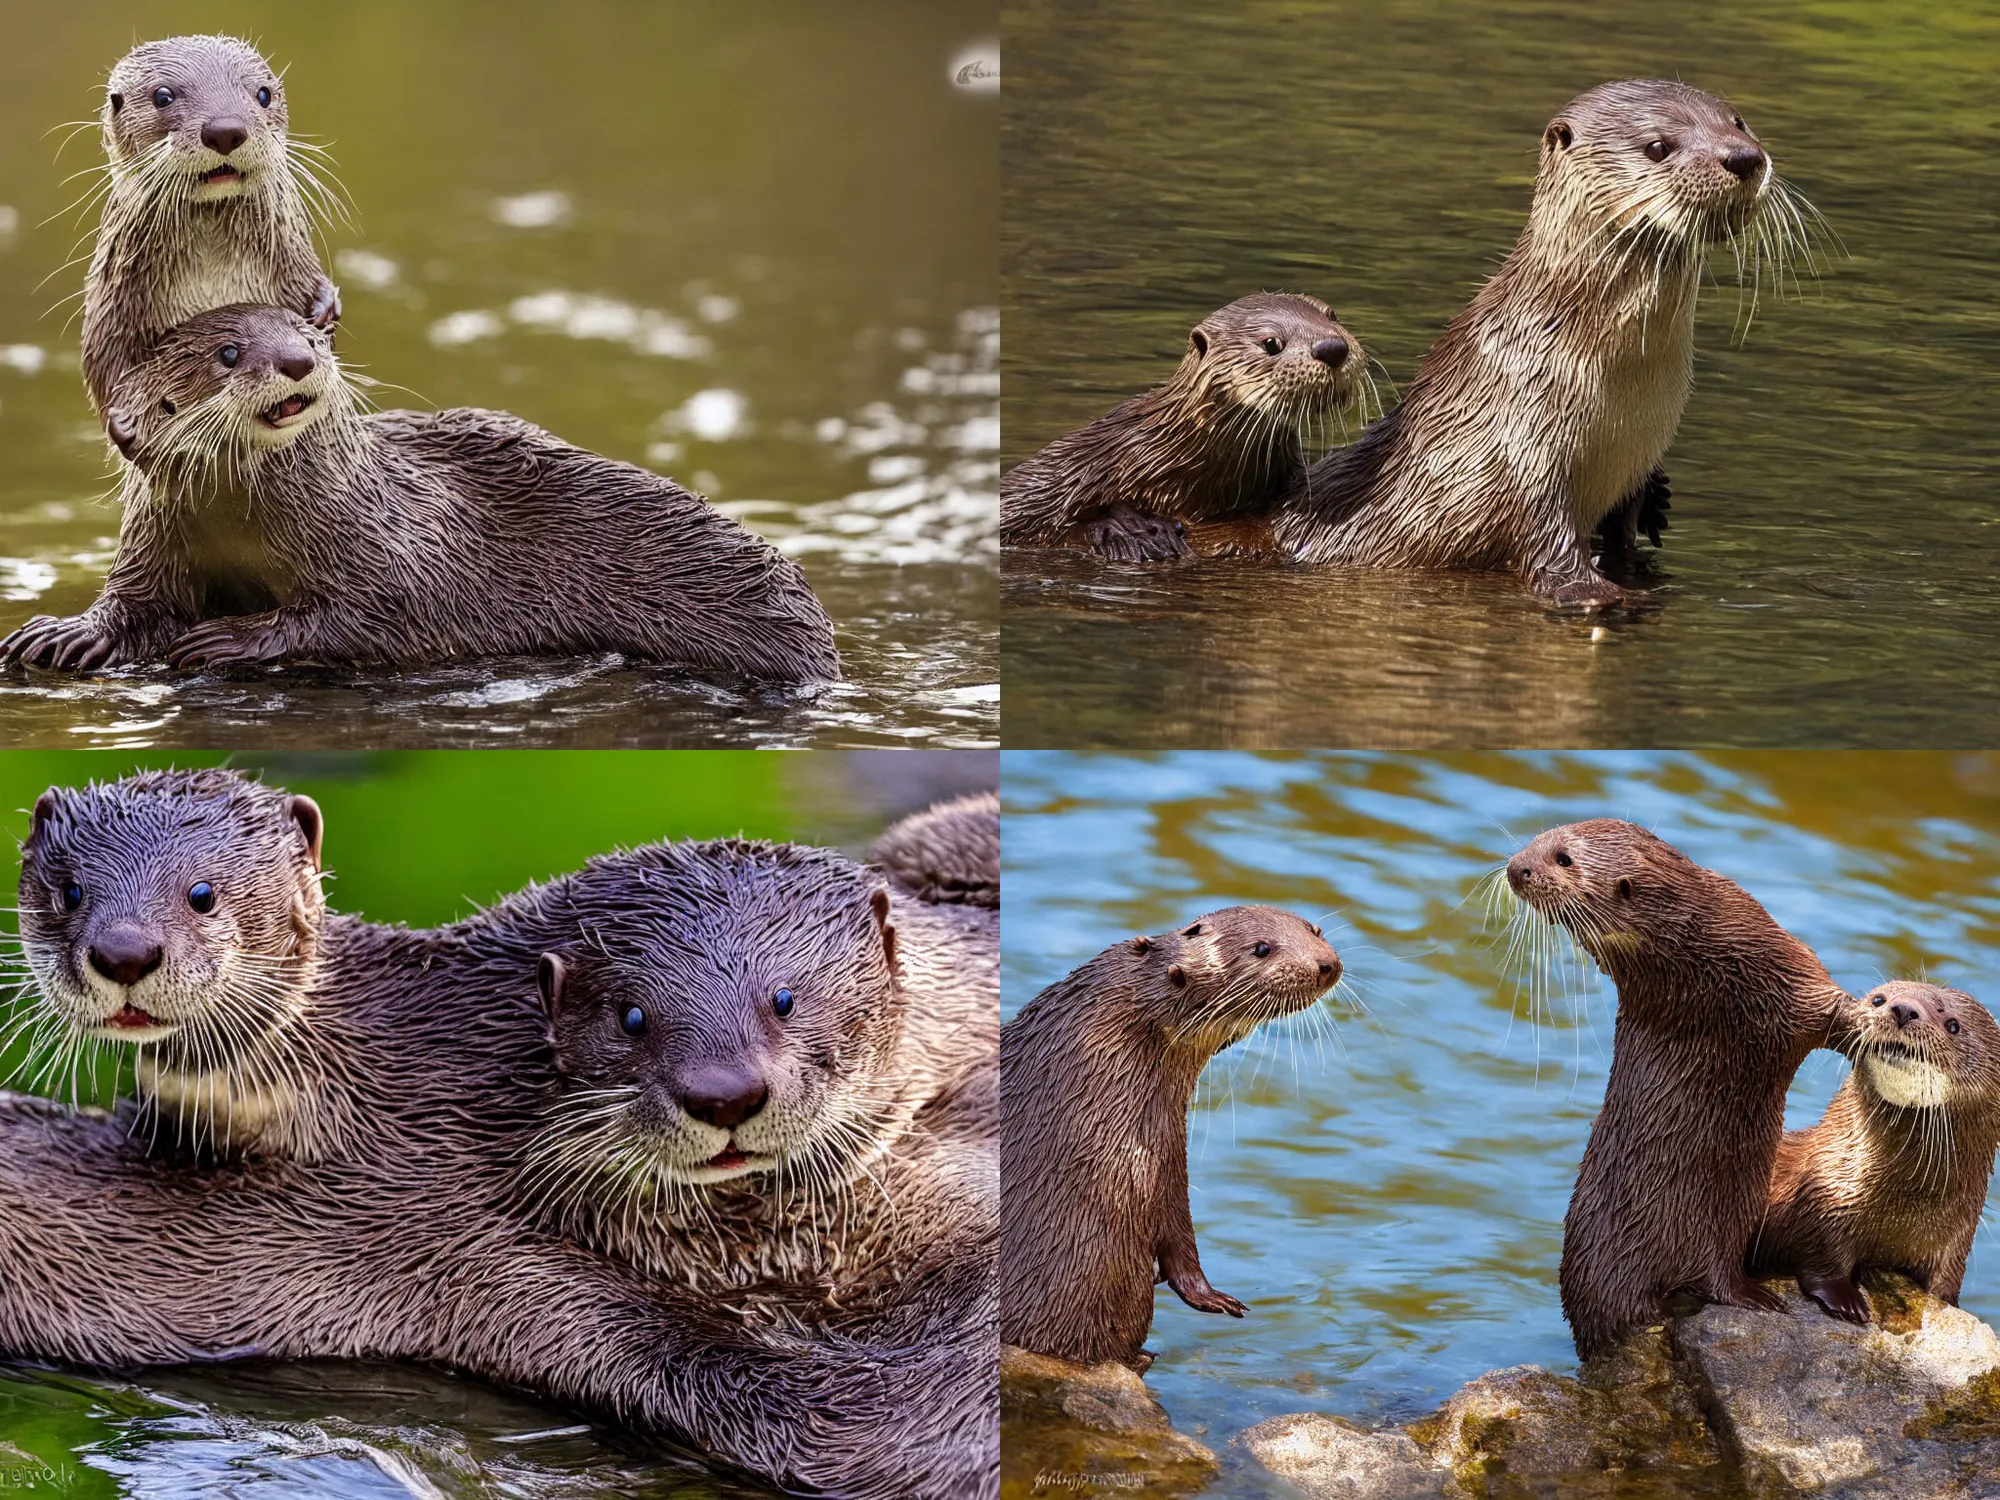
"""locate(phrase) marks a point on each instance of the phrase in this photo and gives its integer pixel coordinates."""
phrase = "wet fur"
(949, 853)
(1097, 1072)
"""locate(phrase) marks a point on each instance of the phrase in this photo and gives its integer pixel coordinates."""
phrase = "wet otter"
(1717, 1007)
(1096, 1074)
(1894, 1175)
(206, 201)
(1548, 403)
(415, 1242)
(1222, 437)
(949, 853)
(278, 522)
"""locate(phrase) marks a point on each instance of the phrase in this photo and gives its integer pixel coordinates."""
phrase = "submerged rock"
(1089, 1429)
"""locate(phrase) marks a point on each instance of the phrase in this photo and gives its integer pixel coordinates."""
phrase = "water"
(750, 248)
(1832, 559)
(1390, 1205)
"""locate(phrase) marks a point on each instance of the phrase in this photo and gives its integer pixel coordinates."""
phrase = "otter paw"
(325, 309)
(1838, 1295)
(1590, 595)
(226, 643)
(1127, 535)
(63, 643)
(1195, 1291)
(1753, 1294)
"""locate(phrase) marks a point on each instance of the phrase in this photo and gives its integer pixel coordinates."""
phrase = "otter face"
(179, 908)
(233, 381)
(1648, 154)
(1230, 971)
(1615, 887)
(204, 113)
(724, 1024)
(1921, 1046)
(1279, 354)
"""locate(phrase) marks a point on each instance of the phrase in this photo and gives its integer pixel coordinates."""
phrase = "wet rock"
(1096, 1429)
(1325, 1458)
(1907, 1408)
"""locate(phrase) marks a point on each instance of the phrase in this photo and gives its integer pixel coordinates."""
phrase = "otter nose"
(224, 135)
(296, 363)
(1329, 969)
(1517, 871)
(722, 1096)
(1904, 1014)
(125, 954)
(1745, 161)
(1331, 352)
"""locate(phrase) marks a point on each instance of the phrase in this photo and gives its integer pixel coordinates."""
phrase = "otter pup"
(1550, 400)
(1223, 437)
(206, 201)
(1717, 1007)
(414, 1240)
(1894, 1175)
(1096, 1074)
(279, 522)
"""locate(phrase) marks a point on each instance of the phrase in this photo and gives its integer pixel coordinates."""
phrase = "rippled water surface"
(1390, 1203)
(750, 247)
(1830, 572)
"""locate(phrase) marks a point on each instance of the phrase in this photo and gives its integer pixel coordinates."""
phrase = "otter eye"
(1952, 1026)
(201, 896)
(1262, 950)
(1877, 999)
(782, 1003)
(264, 97)
(167, 406)
(117, 103)
(162, 97)
(1274, 346)
(1657, 150)
(72, 895)
(1563, 859)
(634, 1022)
(229, 354)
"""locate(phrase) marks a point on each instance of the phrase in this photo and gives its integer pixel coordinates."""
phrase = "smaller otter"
(278, 522)
(1717, 1007)
(207, 201)
(1894, 1176)
(949, 853)
(1223, 437)
(1096, 1075)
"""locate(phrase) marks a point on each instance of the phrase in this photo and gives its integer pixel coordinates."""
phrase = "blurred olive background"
(423, 838)
(1386, 1190)
(752, 247)
(1832, 563)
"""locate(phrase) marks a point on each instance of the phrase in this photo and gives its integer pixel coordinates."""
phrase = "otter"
(278, 522)
(416, 1241)
(1096, 1075)
(1717, 1007)
(1223, 437)
(1548, 403)
(208, 200)
(1894, 1175)
(950, 853)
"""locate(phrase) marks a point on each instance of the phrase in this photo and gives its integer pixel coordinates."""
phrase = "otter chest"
(210, 270)
(1645, 369)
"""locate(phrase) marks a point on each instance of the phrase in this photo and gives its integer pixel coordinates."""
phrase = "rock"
(1085, 1429)
(1328, 1459)
(1907, 1408)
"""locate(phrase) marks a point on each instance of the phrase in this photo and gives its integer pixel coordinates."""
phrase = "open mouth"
(130, 1018)
(221, 174)
(282, 412)
(727, 1158)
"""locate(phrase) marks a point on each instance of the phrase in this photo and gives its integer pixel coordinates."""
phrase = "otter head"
(1224, 974)
(1649, 162)
(223, 387)
(1280, 355)
(1618, 889)
(200, 118)
(724, 1009)
(1921, 1046)
(179, 909)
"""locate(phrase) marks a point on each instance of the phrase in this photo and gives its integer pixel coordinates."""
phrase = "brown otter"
(1222, 437)
(1548, 403)
(206, 201)
(415, 1242)
(1894, 1175)
(278, 522)
(1717, 1007)
(949, 853)
(1096, 1074)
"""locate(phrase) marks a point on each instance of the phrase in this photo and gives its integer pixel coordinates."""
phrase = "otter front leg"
(112, 632)
(324, 309)
(1641, 513)
(1179, 1258)
(1127, 535)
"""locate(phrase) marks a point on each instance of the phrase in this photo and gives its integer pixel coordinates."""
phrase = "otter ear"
(305, 812)
(1624, 887)
(45, 811)
(878, 903)
(121, 429)
(1176, 975)
(117, 102)
(1197, 343)
(549, 976)
(1559, 136)
(1142, 945)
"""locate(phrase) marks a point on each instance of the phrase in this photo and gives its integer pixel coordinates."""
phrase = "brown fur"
(1717, 1007)
(402, 536)
(1096, 1074)
(1549, 402)
(1882, 1184)
(1220, 438)
(950, 853)
(168, 247)
(417, 1242)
